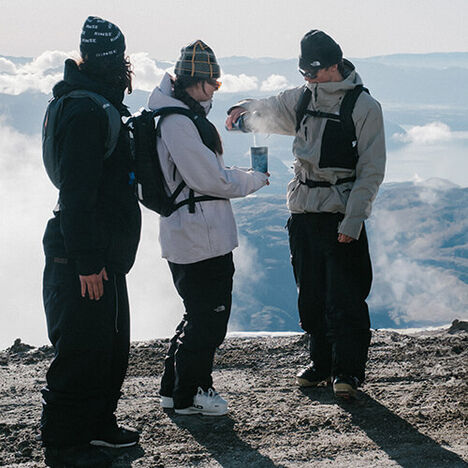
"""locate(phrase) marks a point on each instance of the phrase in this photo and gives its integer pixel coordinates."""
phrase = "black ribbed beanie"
(318, 50)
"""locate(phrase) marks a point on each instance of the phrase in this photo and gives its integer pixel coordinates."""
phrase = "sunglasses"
(215, 83)
(311, 74)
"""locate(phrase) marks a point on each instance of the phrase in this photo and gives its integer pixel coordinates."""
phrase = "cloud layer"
(26, 202)
(431, 150)
(419, 242)
(27, 199)
(45, 70)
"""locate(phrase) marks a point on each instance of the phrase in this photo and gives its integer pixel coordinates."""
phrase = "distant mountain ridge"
(432, 60)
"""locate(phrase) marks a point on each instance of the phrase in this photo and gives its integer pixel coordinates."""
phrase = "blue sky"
(240, 27)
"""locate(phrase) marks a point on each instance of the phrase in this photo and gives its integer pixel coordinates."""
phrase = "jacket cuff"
(352, 227)
(245, 104)
(90, 264)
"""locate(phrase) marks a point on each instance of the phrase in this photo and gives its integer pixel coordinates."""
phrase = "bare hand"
(93, 284)
(233, 116)
(344, 239)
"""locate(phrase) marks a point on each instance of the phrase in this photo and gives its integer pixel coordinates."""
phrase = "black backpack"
(345, 115)
(50, 155)
(151, 188)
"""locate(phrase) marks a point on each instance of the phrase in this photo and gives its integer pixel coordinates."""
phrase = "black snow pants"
(91, 341)
(206, 289)
(333, 281)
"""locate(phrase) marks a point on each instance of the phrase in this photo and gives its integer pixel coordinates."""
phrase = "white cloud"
(27, 198)
(7, 67)
(430, 133)
(238, 83)
(274, 83)
(414, 239)
(42, 73)
(26, 201)
(38, 75)
(50, 60)
(246, 280)
(147, 73)
(433, 150)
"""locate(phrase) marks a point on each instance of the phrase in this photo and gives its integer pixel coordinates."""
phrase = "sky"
(253, 28)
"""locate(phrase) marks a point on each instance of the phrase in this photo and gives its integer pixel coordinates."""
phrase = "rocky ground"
(411, 412)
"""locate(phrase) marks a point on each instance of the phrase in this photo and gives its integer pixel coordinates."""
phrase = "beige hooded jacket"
(277, 114)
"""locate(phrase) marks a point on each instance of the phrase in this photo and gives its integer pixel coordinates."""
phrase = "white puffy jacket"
(210, 231)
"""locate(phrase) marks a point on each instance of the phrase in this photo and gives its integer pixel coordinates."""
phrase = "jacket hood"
(325, 95)
(74, 78)
(163, 96)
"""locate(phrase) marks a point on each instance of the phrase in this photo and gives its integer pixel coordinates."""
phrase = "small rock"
(19, 347)
(458, 326)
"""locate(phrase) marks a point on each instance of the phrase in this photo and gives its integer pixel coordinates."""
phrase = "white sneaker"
(166, 402)
(209, 403)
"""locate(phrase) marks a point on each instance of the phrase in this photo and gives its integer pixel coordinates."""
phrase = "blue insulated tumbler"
(259, 156)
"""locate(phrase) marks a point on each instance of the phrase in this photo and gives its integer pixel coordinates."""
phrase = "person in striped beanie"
(197, 60)
(197, 241)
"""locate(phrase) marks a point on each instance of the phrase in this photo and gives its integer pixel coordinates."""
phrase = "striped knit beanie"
(100, 38)
(197, 60)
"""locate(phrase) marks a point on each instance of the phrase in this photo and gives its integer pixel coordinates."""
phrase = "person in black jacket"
(90, 245)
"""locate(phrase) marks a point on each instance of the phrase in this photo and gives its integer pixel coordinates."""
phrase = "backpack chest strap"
(322, 183)
(323, 115)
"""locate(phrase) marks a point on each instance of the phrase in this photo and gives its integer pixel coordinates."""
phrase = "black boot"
(345, 386)
(311, 377)
(80, 456)
(115, 436)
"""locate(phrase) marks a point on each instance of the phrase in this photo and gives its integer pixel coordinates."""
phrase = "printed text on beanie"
(101, 38)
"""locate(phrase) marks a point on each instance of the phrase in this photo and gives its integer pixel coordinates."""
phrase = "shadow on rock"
(400, 440)
(322, 394)
(123, 458)
(218, 436)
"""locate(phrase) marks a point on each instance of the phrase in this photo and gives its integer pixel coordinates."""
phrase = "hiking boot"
(80, 456)
(166, 402)
(116, 437)
(209, 403)
(311, 377)
(345, 386)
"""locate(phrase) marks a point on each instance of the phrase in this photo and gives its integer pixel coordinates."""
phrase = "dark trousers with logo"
(91, 341)
(206, 289)
(333, 281)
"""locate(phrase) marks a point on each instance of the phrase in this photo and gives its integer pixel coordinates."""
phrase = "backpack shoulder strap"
(165, 111)
(347, 107)
(302, 105)
(112, 115)
(203, 125)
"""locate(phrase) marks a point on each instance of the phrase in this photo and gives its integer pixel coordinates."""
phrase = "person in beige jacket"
(339, 165)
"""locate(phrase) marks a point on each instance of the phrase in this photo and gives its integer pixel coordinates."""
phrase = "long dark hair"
(181, 83)
(115, 72)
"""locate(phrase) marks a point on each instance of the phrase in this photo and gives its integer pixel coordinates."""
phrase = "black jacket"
(99, 221)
